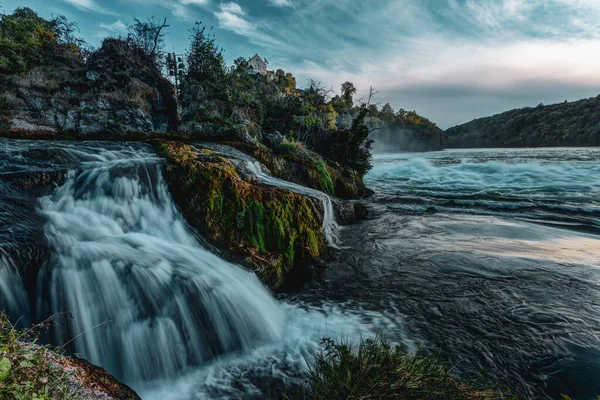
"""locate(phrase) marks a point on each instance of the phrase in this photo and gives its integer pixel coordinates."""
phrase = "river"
(487, 258)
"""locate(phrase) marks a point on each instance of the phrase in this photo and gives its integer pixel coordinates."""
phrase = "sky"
(450, 60)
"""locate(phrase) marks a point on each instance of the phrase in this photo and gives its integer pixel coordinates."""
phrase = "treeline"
(215, 101)
(403, 131)
(565, 124)
(220, 100)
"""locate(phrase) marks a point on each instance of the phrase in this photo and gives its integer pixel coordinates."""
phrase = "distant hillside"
(403, 131)
(565, 124)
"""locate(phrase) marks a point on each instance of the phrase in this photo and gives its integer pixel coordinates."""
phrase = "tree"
(240, 64)
(348, 92)
(206, 63)
(148, 37)
(28, 41)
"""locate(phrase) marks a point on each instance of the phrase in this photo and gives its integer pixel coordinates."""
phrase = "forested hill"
(403, 131)
(565, 124)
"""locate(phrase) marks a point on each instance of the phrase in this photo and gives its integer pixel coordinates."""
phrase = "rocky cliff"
(116, 93)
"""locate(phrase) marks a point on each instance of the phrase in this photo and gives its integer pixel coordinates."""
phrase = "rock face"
(89, 382)
(278, 232)
(116, 94)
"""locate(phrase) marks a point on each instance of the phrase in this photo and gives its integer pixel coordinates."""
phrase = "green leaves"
(5, 367)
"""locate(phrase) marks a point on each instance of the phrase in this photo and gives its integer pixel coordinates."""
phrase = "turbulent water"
(134, 289)
(492, 258)
(488, 258)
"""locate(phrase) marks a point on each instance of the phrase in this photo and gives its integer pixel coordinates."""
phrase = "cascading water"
(147, 301)
(330, 227)
(12, 293)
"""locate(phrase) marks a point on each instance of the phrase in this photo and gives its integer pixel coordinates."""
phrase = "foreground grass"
(378, 370)
(26, 369)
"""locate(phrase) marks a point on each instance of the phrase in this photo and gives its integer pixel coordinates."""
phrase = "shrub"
(28, 40)
(25, 368)
(378, 370)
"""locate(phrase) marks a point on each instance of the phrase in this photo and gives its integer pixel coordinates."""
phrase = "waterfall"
(13, 296)
(146, 299)
(330, 226)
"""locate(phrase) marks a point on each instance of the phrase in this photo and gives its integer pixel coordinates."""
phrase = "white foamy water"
(544, 184)
(146, 298)
(330, 227)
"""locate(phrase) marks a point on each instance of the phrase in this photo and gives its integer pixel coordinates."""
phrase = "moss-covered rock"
(302, 166)
(276, 230)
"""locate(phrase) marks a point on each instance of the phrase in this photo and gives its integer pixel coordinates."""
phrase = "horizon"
(452, 61)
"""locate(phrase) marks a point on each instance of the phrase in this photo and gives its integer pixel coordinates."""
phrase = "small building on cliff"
(256, 65)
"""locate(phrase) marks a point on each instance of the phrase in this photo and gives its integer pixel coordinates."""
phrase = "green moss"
(275, 228)
(307, 168)
(326, 182)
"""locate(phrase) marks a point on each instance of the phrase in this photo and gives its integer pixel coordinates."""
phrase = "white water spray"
(151, 300)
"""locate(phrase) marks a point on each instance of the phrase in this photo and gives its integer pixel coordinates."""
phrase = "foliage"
(564, 124)
(28, 40)
(378, 370)
(148, 37)
(348, 91)
(206, 64)
(25, 368)
(351, 145)
(403, 130)
(235, 104)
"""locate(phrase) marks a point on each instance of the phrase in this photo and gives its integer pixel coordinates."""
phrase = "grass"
(26, 369)
(378, 370)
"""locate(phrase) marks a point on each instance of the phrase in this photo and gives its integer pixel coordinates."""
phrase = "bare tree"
(148, 36)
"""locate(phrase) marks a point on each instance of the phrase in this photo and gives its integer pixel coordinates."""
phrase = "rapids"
(489, 259)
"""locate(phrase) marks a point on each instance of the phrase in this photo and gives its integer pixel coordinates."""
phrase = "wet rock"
(349, 212)
(39, 182)
(278, 232)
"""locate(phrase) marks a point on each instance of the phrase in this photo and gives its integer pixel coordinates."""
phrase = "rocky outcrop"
(300, 165)
(277, 232)
(32, 371)
(349, 212)
(116, 94)
(89, 382)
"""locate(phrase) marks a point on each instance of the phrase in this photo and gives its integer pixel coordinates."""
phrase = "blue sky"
(451, 60)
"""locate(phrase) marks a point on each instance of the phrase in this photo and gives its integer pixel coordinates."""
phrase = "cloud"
(232, 17)
(281, 3)
(89, 5)
(117, 27)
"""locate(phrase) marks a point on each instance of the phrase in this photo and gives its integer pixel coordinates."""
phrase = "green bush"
(378, 370)
(25, 369)
(28, 40)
